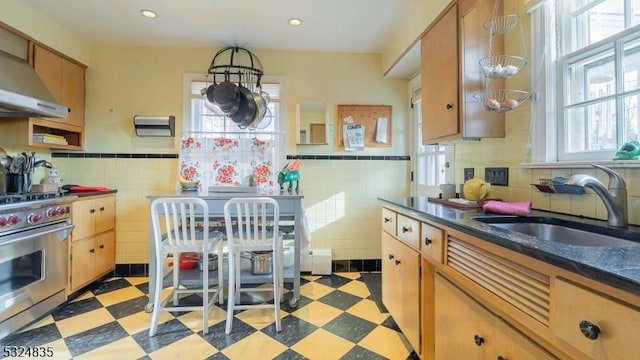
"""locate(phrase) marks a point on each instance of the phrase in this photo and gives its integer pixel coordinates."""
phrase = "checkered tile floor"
(336, 318)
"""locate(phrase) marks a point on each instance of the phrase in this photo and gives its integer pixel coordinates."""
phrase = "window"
(200, 116)
(595, 63)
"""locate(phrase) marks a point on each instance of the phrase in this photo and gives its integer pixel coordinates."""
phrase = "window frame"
(548, 71)
(279, 122)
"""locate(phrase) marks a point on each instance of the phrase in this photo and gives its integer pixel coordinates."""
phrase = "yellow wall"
(409, 31)
(513, 150)
(125, 81)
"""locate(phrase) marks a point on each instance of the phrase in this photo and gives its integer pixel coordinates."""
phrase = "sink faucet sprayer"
(614, 196)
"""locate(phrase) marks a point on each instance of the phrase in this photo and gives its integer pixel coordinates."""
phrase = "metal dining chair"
(181, 225)
(252, 226)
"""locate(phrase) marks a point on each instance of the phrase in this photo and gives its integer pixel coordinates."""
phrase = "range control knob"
(34, 218)
(61, 211)
(13, 219)
(3, 222)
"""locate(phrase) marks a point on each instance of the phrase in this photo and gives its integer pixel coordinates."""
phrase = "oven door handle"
(66, 230)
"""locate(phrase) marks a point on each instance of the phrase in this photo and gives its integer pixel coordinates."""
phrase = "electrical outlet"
(468, 173)
(497, 176)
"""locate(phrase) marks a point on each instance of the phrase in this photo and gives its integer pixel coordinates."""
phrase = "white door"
(432, 165)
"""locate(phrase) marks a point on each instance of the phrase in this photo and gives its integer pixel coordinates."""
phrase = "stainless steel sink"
(563, 231)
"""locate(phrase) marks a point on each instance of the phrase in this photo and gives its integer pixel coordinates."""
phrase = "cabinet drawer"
(389, 221)
(408, 230)
(431, 242)
(615, 326)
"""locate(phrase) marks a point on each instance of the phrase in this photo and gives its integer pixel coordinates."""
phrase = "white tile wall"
(340, 199)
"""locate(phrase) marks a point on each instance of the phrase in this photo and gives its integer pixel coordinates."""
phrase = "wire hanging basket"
(238, 65)
(502, 66)
(501, 25)
(501, 100)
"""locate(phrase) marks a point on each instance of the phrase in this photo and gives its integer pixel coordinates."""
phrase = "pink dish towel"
(508, 208)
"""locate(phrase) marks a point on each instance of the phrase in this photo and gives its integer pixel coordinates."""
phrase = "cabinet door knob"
(386, 220)
(500, 357)
(449, 106)
(589, 329)
(397, 262)
(92, 251)
(391, 256)
(478, 340)
(406, 229)
(427, 241)
(102, 208)
(101, 246)
(92, 211)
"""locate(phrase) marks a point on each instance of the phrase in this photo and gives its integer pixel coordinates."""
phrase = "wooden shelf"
(19, 131)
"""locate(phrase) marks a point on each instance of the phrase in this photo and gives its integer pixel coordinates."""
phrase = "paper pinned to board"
(353, 135)
(381, 130)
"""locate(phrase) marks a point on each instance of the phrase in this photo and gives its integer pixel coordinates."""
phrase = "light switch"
(497, 176)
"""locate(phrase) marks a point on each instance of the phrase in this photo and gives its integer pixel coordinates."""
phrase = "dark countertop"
(615, 266)
(81, 194)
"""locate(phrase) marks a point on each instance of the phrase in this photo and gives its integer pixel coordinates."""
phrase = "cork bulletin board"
(366, 115)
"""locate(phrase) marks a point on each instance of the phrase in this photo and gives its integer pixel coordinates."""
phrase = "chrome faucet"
(614, 196)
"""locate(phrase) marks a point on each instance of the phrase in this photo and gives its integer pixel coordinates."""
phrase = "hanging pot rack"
(238, 65)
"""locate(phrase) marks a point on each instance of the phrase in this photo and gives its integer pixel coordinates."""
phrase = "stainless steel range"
(34, 235)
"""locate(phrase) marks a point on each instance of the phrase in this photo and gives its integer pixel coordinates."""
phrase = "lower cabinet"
(91, 258)
(464, 329)
(401, 286)
(92, 246)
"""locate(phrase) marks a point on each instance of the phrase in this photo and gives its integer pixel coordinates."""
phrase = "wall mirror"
(311, 123)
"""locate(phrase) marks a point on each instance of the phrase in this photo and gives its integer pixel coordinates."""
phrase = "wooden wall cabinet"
(92, 246)
(65, 79)
(451, 74)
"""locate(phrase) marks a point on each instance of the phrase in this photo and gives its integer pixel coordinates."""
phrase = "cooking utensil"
(246, 110)
(261, 109)
(17, 165)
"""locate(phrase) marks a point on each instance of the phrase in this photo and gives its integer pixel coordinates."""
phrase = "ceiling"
(358, 26)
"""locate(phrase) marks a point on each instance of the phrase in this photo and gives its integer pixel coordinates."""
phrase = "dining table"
(290, 204)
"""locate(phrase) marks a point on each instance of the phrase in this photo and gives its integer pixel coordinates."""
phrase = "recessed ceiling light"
(148, 13)
(295, 22)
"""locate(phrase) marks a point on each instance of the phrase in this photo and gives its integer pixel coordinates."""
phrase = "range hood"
(22, 92)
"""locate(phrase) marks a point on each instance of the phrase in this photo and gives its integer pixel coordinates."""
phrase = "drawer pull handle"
(427, 241)
(407, 229)
(589, 329)
(397, 262)
(479, 340)
(391, 256)
(386, 220)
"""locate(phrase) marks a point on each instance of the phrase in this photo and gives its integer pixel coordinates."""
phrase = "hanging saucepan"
(224, 95)
(261, 109)
(247, 108)
(208, 103)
